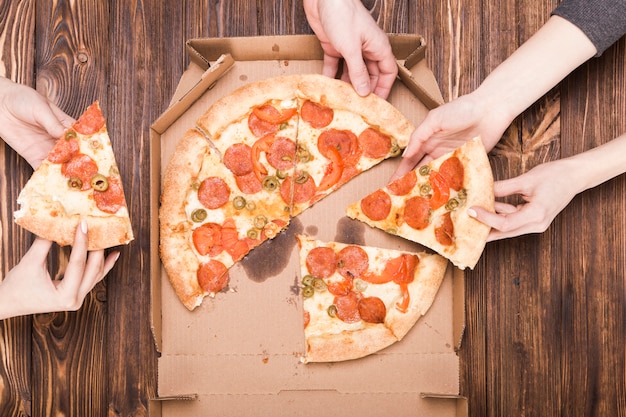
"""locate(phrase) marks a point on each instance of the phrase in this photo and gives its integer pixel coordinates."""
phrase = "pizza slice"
(359, 299)
(210, 218)
(79, 179)
(341, 134)
(429, 204)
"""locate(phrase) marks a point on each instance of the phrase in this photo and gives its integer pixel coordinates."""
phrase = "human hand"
(28, 288)
(347, 30)
(546, 190)
(29, 122)
(449, 126)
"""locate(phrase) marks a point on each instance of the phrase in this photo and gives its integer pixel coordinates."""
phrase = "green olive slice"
(452, 204)
(75, 182)
(253, 234)
(270, 183)
(332, 310)
(395, 150)
(303, 154)
(302, 177)
(99, 182)
(425, 189)
(260, 221)
(424, 170)
(70, 134)
(308, 291)
(239, 202)
(319, 284)
(198, 215)
(307, 280)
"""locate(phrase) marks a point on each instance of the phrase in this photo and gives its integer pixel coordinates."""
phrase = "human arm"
(29, 122)
(549, 187)
(347, 30)
(28, 288)
(532, 70)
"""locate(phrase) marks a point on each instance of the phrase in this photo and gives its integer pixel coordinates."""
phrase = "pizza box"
(239, 353)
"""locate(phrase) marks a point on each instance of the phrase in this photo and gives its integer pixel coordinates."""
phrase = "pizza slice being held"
(358, 299)
(79, 179)
(429, 204)
(340, 135)
(211, 218)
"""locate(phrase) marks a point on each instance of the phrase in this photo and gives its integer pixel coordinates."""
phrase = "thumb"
(50, 122)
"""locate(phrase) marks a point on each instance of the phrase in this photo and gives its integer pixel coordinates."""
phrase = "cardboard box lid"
(242, 349)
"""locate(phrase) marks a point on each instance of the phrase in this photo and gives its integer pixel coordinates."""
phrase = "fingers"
(38, 251)
(84, 270)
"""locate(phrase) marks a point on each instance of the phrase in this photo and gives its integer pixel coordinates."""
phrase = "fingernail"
(117, 256)
(471, 212)
(363, 89)
(83, 226)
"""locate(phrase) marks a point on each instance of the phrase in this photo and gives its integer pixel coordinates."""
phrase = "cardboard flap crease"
(240, 352)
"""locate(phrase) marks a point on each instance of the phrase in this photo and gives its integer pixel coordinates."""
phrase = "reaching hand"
(546, 190)
(29, 123)
(449, 126)
(347, 30)
(28, 288)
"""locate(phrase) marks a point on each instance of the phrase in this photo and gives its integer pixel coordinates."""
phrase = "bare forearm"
(539, 64)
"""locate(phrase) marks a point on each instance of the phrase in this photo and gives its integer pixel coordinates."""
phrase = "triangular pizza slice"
(210, 218)
(429, 204)
(360, 299)
(340, 135)
(79, 179)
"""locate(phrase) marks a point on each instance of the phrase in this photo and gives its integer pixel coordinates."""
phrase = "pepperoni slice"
(207, 239)
(317, 115)
(452, 170)
(344, 141)
(64, 149)
(372, 310)
(377, 205)
(417, 212)
(302, 191)
(352, 261)
(282, 153)
(444, 232)
(112, 199)
(212, 276)
(260, 128)
(249, 183)
(441, 190)
(80, 166)
(374, 143)
(238, 158)
(348, 307)
(271, 114)
(213, 192)
(321, 262)
(340, 286)
(404, 184)
(91, 121)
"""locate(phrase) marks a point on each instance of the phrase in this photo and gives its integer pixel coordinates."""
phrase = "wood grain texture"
(545, 313)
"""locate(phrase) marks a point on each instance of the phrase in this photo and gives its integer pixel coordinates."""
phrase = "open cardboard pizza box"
(239, 354)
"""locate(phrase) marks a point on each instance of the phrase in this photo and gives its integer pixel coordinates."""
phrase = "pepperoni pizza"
(429, 204)
(79, 179)
(358, 300)
(258, 157)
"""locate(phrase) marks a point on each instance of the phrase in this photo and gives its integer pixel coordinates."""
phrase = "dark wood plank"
(147, 45)
(71, 63)
(17, 56)
(594, 323)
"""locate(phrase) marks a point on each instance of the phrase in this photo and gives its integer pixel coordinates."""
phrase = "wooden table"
(545, 313)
